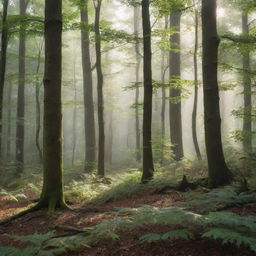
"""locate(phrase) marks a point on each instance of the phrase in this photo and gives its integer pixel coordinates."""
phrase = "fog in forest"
(124, 117)
(119, 72)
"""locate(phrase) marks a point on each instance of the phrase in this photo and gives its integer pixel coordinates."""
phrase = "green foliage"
(227, 86)
(128, 187)
(12, 195)
(218, 198)
(69, 243)
(174, 234)
(245, 5)
(29, 24)
(109, 34)
(161, 149)
(232, 237)
(224, 226)
(89, 187)
(169, 6)
(40, 246)
(240, 135)
(182, 223)
(36, 239)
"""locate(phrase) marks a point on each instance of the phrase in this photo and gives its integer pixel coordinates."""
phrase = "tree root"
(38, 206)
(20, 214)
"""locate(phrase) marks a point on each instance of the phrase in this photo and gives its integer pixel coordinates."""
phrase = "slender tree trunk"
(52, 193)
(163, 105)
(21, 95)
(148, 166)
(175, 93)
(9, 126)
(163, 108)
(110, 130)
(38, 107)
(137, 90)
(4, 42)
(219, 173)
(101, 149)
(89, 121)
(194, 113)
(74, 115)
(247, 119)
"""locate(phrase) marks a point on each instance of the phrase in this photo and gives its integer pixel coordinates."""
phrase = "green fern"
(36, 239)
(230, 220)
(40, 247)
(14, 196)
(29, 251)
(217, 199)
(224, 226)
(173, 234)
(230, 236)
(164, 216)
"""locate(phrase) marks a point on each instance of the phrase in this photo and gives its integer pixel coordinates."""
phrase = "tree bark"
(194, 113)
(4, 42)
(38, 107)
(74, 114)
(163, 108)
(148, 166)
(101, 149)
(21, 94)
(52, 193)
(219, 173)
(110, 145)
(247, 119)
(175, 93)
(9, 125)
(137, 81)
(89, 121)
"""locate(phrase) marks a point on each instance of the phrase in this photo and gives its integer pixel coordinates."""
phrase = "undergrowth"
(198, 216)
(217, 199)
(183, 223)
(40, 246)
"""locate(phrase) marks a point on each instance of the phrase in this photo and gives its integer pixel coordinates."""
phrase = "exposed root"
(38, 206)
(20, 214)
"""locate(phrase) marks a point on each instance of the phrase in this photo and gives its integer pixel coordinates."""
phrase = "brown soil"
(92, 214)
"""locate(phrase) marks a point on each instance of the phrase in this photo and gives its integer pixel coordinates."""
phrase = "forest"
(127, 127)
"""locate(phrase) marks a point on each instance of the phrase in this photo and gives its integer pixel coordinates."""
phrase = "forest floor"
(88, 215)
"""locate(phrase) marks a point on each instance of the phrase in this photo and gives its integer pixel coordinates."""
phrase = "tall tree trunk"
(247, 119)
(163, 105)
(148, 166)
(89, 121)
(219, 173)
(9, 126)
(175, 93)
(194, 113)
(163, 108)
(52, 193)
(137, 81)
(101, 149)
(38, 107)
(4, 42)
(110, 130)
(21, 95)
(74, 114)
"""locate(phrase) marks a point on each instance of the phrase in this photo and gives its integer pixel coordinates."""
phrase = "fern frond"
(36, 239)
(173, 234)
(230, 236)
